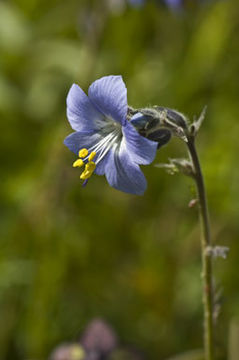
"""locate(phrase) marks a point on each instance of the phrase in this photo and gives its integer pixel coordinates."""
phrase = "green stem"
(206, 255)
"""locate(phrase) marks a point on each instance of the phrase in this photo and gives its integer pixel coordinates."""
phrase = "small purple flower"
(174, 4)
(103, 134)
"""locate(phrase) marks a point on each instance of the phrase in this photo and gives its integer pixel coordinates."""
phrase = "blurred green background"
(69, 254)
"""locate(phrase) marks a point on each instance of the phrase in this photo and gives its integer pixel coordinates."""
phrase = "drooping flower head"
(105, 141)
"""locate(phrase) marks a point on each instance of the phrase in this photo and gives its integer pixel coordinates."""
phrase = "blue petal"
(101, 166)
(81, 113)
(123, 174)
(109, 95)
(79, 140)
(141, 150)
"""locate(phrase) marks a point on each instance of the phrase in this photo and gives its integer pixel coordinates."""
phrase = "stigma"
(85, 159)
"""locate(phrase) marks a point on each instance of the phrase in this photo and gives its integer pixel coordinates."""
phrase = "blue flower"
(104, 134)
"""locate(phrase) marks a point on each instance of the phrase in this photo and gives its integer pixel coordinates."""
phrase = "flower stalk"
(150, 123)
(206, 256)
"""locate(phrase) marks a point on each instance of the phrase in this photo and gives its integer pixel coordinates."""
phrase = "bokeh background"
(69, 254)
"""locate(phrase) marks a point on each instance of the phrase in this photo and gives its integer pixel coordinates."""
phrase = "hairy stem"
(206, 255)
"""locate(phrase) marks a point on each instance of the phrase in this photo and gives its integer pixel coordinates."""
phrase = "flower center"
(89, 166)
(100, 149)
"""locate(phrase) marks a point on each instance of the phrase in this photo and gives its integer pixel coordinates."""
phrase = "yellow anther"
(89, 169)
(92, 155)
(90, 166)
(78, 163)
(85, 175)
(83, 153)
